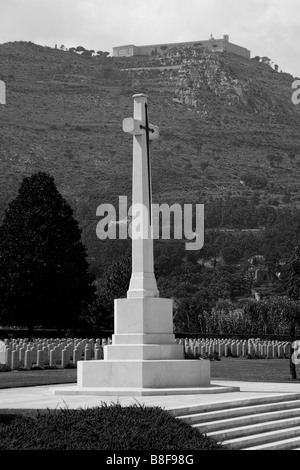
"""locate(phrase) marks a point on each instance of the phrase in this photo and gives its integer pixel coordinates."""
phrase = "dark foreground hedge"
(108, 427)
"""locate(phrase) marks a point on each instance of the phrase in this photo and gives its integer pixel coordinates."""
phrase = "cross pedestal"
(144, 358)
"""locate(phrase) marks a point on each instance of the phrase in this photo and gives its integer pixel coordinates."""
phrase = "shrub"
(254, 181)
(273, 201)
(215, 356)
(230, 354)
(135, 427)
(189, 355)
(253, 356)
(286, 199)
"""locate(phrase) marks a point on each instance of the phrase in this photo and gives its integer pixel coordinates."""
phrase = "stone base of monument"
(142, 378)
(144, 374)
(144, 358)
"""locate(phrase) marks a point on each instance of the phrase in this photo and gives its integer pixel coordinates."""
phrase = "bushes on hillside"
(255, 181)
(270, 316)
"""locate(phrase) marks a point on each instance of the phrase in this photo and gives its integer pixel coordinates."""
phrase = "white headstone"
(2, 352)
(2, 93)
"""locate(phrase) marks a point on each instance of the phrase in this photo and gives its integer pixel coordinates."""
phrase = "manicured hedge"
(108, 427)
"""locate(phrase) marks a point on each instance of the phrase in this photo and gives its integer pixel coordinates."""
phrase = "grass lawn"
(251, 370)
(30, 378)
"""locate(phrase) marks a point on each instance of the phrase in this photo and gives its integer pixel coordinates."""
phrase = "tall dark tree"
(44, 274)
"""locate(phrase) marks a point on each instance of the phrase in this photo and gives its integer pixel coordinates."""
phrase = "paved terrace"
(43, 397)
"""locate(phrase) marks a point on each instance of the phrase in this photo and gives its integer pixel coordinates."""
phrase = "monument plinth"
(144, 358)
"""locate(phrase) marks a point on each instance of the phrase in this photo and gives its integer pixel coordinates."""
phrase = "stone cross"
(144, 358)
(143, 282)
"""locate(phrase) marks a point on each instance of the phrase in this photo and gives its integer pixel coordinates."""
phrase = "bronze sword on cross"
(148, 130)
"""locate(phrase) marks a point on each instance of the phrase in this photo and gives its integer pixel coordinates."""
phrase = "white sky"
(267, 27)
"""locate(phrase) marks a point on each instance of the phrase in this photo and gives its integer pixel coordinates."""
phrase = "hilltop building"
(211, 44)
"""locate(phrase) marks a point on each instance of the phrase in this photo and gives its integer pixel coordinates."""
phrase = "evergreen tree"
(44, 274)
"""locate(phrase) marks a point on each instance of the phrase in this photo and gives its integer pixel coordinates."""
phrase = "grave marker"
(2, 93)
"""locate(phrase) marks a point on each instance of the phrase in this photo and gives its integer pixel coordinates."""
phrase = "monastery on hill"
(212, 44)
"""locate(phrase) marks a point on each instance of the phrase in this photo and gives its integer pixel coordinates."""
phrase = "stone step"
(233, 404)
(273, 436)
(247, 430)
(251, 419)
(258, 423)
(228, 413)
(284, 444)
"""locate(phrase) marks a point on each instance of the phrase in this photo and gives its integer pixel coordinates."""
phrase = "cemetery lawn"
(252, 370)
(249, 370)
(31, 378)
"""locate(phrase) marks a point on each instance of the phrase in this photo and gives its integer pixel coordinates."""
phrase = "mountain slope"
(222, 119)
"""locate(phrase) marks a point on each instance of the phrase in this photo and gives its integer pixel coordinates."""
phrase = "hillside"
(223, 119)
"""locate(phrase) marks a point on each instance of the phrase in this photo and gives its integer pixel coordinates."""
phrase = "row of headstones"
(239, 348)
(51, 352)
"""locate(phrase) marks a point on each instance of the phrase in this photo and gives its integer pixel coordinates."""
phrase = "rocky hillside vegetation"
(228, 129)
